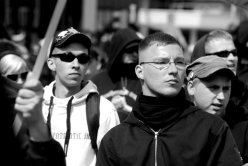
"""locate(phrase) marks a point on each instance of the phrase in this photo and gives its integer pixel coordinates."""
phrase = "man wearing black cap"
(209, 86)
(65, 98)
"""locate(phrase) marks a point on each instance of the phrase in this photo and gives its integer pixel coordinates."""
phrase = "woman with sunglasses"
(14, 70)
(24, 143)
(13, 67)
(220, 43)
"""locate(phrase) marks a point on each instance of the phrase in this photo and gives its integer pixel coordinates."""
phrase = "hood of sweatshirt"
(199, 49)
(119, 41)
(88, 87)
(65, 105)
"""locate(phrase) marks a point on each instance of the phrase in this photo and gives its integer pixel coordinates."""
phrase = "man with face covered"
(118, 81)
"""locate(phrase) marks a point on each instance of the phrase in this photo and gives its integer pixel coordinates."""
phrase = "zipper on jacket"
(155, 140)
(156, 146)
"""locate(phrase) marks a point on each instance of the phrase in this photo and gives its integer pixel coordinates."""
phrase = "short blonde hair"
(12, 64)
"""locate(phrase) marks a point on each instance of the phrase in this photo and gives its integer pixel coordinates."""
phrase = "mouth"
(172, 81)
(74, 74)
(217, 106)
(231, 65)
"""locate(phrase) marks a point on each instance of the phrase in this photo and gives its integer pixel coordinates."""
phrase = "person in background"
(14, 70)
(64, 106)
(41, 149)
(13, 66)
(241, 42)
(118, 81)
(4, 34)
(220, 43)
(209, 85)
(164, 128)
(97, 62)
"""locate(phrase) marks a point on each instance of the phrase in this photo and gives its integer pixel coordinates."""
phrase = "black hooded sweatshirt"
(168, 132)
(118, 75)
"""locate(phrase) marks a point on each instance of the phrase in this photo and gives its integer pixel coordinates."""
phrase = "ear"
(191, 88)
(51, 64)
(139, 72)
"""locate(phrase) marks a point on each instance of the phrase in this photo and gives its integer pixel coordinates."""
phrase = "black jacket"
(189, 136)
(240, 134)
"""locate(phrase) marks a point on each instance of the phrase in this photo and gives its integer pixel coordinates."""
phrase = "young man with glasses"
(64, 105)
(163, 127)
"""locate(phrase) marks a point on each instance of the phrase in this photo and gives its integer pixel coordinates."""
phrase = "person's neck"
(160, 112)
(60, 91)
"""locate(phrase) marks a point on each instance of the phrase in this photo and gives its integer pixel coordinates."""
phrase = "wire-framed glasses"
(163, 65)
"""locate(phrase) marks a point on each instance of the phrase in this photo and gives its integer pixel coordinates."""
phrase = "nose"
(221, 95)
(75, 63)
(172, 68)
(231, 57)
(19, 80)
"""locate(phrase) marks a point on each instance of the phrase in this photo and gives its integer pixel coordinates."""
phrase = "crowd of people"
(153, 105)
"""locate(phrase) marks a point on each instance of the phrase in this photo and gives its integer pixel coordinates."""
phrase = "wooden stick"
(39, 63)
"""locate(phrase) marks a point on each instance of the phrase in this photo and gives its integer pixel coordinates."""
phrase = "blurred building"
(192, 17)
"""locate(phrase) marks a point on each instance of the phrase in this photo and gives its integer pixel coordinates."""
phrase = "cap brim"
(209, 72)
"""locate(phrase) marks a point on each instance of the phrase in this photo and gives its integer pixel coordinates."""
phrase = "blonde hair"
(12, 64)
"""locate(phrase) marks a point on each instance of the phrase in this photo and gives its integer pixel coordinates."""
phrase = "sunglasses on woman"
(14, 77)
(224, 53)
(69, 57)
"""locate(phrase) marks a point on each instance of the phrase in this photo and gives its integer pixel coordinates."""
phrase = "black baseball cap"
(70, 35)
(205, 66)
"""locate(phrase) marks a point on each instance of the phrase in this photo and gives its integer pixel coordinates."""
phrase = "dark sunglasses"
(224, 53)
(69, 57)
(14, 77)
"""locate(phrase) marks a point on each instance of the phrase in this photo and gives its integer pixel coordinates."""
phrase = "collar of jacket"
(159, 113)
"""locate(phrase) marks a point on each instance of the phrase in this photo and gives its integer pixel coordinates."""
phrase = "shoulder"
(208, 121)
(106, 105)
(108, 113)
(116, 133)
(48, 90)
